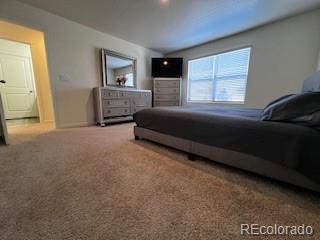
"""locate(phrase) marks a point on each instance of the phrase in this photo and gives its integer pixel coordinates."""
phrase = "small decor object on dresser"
(167, 92)
(121, 80)
(119, 104)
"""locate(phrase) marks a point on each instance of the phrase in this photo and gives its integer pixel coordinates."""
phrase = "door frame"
(36, 39)
(3, 124)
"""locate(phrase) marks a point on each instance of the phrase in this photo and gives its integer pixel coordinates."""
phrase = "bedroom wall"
(319, 62)
(73, 53)
(283, 55)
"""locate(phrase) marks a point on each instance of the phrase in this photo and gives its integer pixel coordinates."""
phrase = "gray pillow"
(312, 84)
(283, 98)
(288, 108)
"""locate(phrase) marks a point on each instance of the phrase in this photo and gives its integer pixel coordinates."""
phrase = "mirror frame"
(105, 53)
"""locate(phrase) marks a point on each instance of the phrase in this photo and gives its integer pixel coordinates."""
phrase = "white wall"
(73, 50)
(283, 54)
(319, 62)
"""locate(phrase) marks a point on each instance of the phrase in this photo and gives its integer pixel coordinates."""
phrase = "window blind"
(220, 78)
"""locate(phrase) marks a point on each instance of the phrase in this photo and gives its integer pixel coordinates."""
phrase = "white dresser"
(167, 92)
(119, 104)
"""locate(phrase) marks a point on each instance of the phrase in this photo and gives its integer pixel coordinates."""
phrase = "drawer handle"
(108, 102)
(109, 93)
(125, 102)
(126, 110)
(109, 111)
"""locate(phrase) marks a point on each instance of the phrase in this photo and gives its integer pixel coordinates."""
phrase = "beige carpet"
(98, 183)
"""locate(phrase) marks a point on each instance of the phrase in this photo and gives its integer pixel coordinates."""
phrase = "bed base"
(229, 157)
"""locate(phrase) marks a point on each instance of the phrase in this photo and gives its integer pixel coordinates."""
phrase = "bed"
(286, 151)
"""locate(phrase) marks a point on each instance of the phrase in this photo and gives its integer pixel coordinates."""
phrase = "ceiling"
(170, 25)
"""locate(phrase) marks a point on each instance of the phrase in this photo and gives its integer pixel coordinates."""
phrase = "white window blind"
(219, 78)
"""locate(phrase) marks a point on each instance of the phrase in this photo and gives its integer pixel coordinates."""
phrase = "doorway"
(25, 85)
(18, 88)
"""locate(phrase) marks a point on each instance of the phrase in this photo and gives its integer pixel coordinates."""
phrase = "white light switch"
(64, 78)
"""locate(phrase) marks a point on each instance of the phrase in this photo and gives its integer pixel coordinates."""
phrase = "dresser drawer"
(166, 97)
(106, 93)
(116, 103)
(167, 83)
(167, 90)
(112, 112)
(140, 102)
(146, 94)
(166, 103)
(129, 94)
(136, 94)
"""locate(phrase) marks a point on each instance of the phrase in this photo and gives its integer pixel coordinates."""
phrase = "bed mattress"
(240, 130)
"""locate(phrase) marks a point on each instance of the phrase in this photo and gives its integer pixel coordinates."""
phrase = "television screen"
(167, 67)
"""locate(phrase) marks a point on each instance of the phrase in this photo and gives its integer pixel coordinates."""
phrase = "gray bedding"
(241, 130)
(303, 108)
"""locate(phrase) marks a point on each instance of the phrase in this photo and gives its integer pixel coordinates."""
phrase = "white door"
(18, 92)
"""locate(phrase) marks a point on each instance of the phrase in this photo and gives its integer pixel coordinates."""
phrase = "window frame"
(211, 55)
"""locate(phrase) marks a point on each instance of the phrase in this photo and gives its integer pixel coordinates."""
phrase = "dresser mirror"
(118, 69)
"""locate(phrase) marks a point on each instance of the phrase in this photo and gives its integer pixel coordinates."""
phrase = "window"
(219, 78)
(129, 77)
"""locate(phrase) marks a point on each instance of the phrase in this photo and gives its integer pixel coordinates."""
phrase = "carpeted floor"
(98, 183)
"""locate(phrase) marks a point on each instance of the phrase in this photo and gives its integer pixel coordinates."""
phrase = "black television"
(167, 67)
